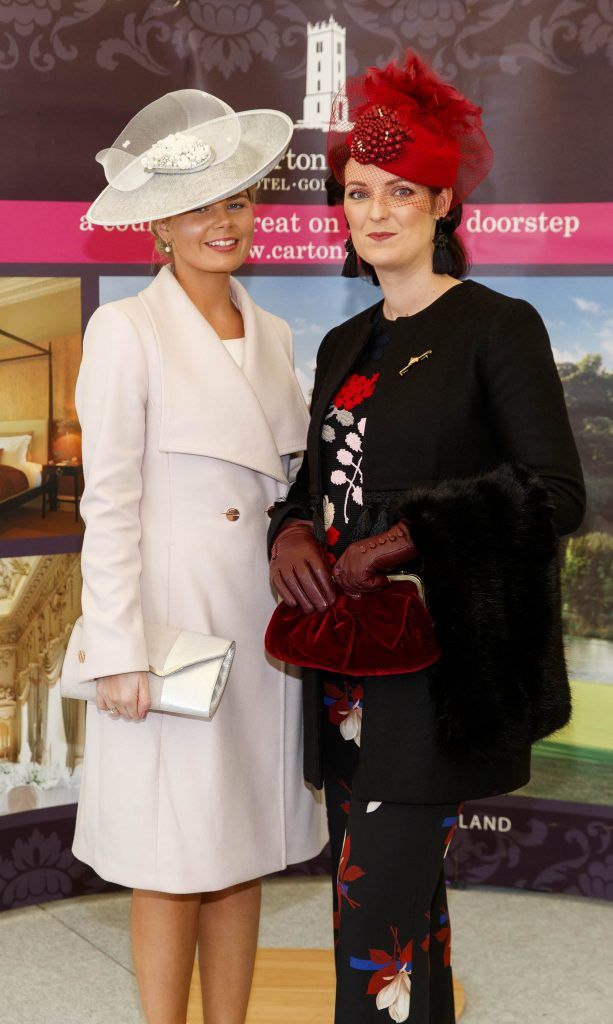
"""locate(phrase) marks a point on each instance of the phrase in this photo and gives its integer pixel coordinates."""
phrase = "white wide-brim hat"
(186, 149)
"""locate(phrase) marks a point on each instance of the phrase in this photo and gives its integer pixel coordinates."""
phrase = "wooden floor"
(294, 985)
(28, 522)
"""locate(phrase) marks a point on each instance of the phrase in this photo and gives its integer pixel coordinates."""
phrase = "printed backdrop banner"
(540, 227)
(287, 234)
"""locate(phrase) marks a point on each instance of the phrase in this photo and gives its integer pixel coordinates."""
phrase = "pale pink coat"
(174, 434)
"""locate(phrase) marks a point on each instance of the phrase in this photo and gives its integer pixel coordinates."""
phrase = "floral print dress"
(343, 438)
(392, 936)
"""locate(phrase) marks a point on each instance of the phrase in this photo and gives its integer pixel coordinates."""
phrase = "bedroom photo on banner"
(306, 512)
(40, 437)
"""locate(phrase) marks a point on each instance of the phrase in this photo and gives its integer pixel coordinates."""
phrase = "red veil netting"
(408, 122)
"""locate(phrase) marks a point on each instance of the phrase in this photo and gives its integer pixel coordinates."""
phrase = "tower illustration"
(326, 72)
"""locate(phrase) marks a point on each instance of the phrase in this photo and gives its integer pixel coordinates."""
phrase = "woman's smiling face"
(392, 220)
(215, 238)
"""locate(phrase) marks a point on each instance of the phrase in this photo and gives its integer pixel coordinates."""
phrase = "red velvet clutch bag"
(384, 632)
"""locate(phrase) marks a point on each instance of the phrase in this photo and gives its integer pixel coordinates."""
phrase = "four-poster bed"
(24, 444)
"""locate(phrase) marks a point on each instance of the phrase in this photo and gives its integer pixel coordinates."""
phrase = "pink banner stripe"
(496, 233)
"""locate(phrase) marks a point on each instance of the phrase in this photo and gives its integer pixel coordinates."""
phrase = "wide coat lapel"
(210, 406)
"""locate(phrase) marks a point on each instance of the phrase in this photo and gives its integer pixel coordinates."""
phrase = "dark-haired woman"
(439, 443)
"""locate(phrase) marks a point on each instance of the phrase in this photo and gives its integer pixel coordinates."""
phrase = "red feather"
(416, 81)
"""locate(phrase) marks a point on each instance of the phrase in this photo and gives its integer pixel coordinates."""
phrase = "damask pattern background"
(119, 58)
(229, 36)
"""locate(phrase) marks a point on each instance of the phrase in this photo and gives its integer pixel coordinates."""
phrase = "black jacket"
(473, 446)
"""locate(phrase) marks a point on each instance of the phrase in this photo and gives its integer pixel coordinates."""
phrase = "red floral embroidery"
(449, 837)
(341, 702)
(346, 803)
(444, 936)
(355, 390)
(347, 873)
(389, 969)
(332, 536)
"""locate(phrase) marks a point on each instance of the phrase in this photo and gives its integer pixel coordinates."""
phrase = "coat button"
(232, 514)
(270, 510)
(81, 656)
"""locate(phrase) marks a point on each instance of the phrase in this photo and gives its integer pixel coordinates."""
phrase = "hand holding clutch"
(125, 695)
(299, 569)
(365, 564)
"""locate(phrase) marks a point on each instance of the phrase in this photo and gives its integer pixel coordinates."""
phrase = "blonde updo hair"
(160, 244)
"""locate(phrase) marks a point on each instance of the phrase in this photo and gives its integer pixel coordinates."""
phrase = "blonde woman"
(190, 410)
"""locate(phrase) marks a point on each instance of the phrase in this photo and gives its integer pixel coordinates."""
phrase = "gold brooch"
(413, 360)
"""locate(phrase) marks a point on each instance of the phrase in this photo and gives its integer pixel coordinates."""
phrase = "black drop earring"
(440, 238)
(442, 260)
(350, 266)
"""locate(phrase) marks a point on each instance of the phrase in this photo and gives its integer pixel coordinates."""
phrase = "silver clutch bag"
(187, 671)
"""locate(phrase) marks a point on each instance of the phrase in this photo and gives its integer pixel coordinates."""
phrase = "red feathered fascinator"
(409, 122)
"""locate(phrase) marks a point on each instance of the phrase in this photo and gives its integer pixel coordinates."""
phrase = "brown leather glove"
(364, 565)
(299, 569)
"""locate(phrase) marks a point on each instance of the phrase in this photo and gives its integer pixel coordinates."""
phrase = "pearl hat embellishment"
(178, 154)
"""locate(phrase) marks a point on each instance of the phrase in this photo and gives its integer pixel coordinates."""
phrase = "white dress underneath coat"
(175, 434)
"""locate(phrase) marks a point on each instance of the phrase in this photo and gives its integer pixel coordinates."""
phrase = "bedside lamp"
(67, 442)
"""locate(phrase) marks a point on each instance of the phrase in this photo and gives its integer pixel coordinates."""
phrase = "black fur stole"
(491, 571)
